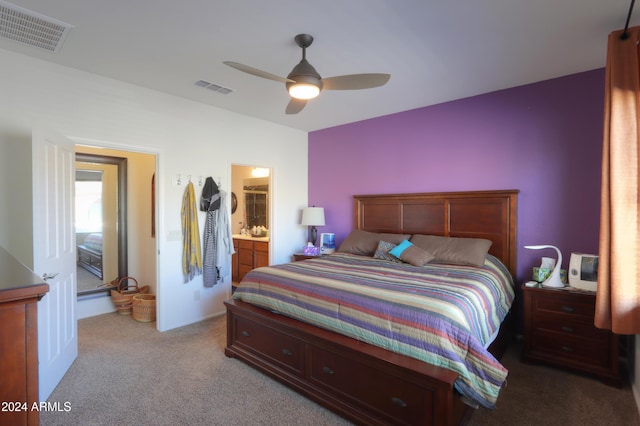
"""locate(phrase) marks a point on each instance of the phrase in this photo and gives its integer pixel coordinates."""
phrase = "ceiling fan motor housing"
(304, 73)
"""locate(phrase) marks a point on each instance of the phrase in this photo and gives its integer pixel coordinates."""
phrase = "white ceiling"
(435, 50)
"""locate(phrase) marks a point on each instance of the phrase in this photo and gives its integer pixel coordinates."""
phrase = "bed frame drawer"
(282, 350)
(392, 398)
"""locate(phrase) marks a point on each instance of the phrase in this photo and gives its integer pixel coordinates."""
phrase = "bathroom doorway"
(251, 213)
(250, 198)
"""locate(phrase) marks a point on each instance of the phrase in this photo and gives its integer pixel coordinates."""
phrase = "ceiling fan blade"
(355, 81)
(257, 72)
(295, 106)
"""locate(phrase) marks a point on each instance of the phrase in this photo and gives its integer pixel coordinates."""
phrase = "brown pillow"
(365, 243)
(416, 256)
(462, 251)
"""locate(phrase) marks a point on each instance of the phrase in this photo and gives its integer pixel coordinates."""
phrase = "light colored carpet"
(129, 373)
(538, 395)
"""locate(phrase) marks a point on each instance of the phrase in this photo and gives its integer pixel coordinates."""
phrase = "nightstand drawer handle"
(567, 348)
(568, 309)
(567, 329)
(399, 402)
(327, 370)
(246, 333)
(287, 352)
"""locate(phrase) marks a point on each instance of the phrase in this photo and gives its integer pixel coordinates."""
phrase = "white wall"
(188, 137)
(16, 199)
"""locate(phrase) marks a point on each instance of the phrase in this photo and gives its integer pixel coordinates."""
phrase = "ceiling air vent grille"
(214, 87)
(32, 29)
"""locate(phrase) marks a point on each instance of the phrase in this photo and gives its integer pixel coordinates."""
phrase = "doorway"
(100, 222)
(136, 242)
(251, 225)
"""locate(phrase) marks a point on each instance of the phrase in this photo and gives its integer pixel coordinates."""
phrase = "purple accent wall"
(544, 139)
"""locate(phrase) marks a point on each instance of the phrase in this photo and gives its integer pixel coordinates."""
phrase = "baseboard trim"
(94, 304)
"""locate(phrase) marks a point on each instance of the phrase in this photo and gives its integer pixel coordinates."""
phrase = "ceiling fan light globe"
(304, 91)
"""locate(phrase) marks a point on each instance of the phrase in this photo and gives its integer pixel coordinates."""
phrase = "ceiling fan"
(304, 82)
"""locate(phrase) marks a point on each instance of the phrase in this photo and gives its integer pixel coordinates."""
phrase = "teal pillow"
(397, 250)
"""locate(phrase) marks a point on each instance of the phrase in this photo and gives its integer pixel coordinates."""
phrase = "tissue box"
(541, 274)
(311, 250)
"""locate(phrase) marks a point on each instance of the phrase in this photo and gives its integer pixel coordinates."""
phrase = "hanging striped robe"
(211, 273)
(210, 200)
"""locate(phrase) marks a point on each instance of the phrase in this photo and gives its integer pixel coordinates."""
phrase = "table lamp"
(554, 279)
(313, 216)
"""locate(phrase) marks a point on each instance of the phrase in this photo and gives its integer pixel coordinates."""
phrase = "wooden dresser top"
(17, 281)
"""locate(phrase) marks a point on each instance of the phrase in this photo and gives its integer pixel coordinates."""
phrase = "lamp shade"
(313, 216)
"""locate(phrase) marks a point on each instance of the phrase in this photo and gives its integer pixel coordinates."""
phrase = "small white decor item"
(554, 279)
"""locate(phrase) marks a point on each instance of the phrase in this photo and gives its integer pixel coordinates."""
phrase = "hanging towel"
(191, 258)
(224, 238)
(217, 234)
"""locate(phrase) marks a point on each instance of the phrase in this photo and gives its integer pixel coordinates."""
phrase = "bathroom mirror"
(251, 187)
(256, 196)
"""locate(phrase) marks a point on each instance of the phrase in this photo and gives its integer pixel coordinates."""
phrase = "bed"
(362, 375)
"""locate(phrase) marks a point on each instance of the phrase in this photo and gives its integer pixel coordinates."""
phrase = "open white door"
(54, 255)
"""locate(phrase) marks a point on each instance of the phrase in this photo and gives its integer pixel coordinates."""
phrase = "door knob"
(46, 276)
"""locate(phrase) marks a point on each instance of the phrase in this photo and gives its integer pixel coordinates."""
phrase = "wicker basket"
(144, 307)
(123, 294)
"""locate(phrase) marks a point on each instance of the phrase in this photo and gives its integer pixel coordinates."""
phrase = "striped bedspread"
(445, 315)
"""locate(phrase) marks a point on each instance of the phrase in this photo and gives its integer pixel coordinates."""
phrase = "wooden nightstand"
(559, 330)
(301, 256)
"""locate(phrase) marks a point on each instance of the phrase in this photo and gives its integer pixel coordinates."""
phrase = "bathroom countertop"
(249, 237)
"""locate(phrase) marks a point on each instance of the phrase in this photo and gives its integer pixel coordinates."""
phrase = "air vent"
(214, 87)
(30, 28)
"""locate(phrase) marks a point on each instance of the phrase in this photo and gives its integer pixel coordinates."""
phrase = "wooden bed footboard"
(360, 382)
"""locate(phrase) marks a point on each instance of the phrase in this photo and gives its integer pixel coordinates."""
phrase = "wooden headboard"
(473, 214)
